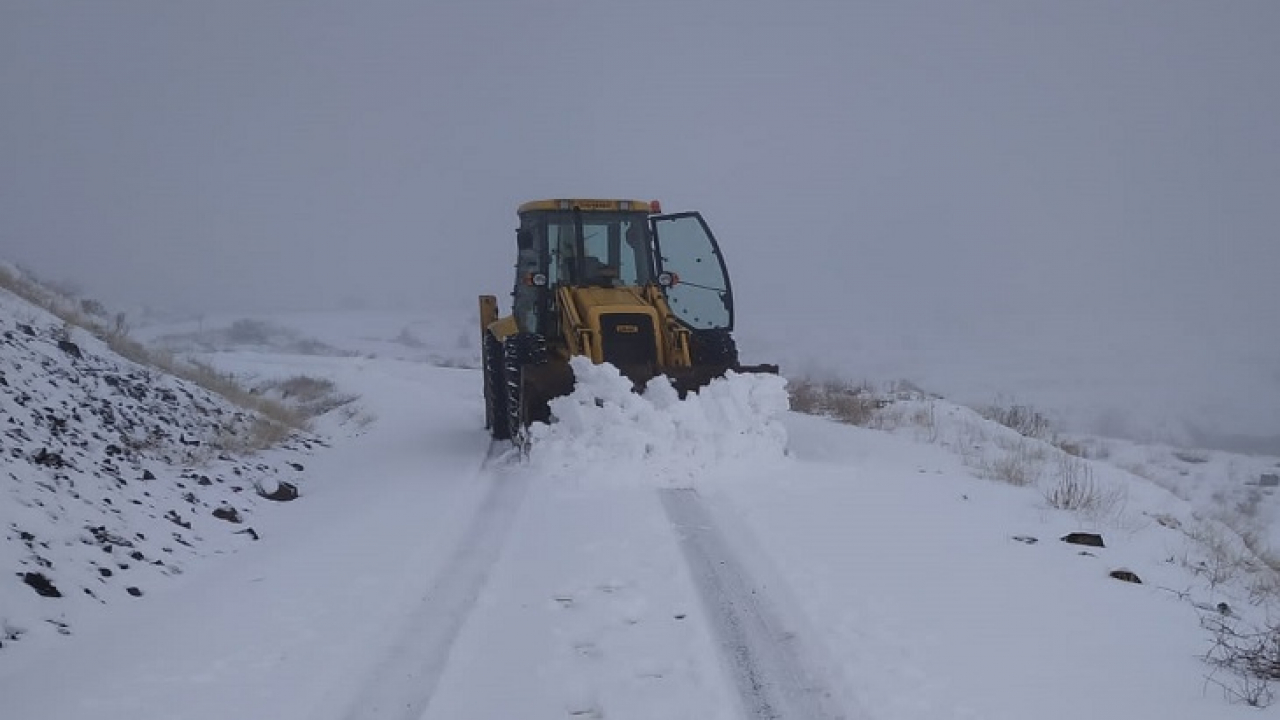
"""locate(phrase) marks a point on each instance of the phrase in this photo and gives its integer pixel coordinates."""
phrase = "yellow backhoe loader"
(616, 281)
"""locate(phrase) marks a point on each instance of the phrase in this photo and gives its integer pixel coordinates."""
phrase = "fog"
(1071, 203)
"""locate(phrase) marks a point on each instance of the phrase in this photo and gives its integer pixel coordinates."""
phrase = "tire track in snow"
(766, 661)
(407, 677)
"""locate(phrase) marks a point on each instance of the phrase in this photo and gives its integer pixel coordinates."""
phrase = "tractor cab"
(617, 244)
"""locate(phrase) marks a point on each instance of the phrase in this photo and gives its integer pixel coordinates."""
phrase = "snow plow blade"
(692, 379)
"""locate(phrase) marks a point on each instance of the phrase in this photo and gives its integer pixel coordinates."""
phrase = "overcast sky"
(1088, 191)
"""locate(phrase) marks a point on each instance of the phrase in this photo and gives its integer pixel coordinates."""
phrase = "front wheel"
(495, 395)
(522, 353)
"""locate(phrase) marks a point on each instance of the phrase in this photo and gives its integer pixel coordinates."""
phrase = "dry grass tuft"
(1020, 462)
(311, 396)
(1076, 489)
(1023, 419)
(851, 404)
(1251, 656)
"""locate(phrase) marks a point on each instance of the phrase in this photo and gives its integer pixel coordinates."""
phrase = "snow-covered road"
(774, 673)
(660, 570)
(407, 675)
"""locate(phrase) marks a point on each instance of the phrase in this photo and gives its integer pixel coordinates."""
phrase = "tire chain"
(518, 351)
(496, 405)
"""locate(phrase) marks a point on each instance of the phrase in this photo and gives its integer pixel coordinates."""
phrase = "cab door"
(700, 295)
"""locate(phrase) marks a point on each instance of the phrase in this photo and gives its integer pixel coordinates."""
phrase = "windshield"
(614, 248)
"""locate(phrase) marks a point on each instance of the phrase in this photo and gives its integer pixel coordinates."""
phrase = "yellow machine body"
(614, 281)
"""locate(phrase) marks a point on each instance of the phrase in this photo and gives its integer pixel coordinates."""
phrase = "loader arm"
(579, 338)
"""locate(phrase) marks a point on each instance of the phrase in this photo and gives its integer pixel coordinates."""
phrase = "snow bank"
(656, 437)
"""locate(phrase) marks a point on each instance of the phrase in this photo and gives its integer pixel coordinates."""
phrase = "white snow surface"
(717, 557)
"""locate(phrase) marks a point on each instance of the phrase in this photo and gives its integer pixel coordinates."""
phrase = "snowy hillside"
(115, 476)
(721, 557)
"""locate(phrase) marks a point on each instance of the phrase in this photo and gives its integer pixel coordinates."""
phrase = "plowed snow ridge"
(657, 437)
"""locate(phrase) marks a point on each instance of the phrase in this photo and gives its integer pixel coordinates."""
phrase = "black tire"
(518, 351)
(495, 395)
(513, 388)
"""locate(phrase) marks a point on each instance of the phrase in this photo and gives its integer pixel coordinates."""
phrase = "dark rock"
(105, 572)
(41, 584)
(228, 513)
(48, 459)
(176, 519)
(253, 534)
(133, 591)
(106, 537)
(1026, 539)
(1081, 538)
(296, 466)
(283, 493)
(27, 329)
(148, 475)
(70, 348)
(1126, 575)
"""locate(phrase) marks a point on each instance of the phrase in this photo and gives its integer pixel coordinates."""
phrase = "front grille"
(628, 340)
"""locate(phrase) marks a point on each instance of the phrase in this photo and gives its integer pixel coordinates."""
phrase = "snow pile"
(729, 424)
